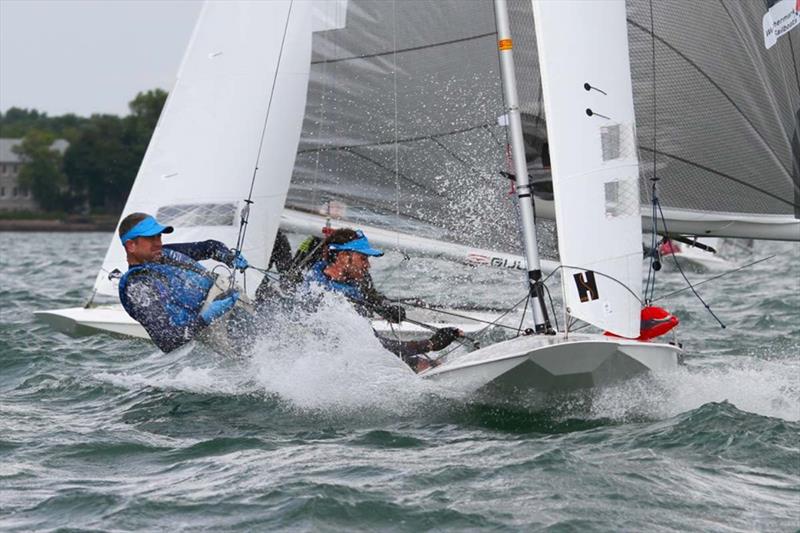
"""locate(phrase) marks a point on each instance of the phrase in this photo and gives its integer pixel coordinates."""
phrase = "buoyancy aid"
(316, 274)
(184, 284)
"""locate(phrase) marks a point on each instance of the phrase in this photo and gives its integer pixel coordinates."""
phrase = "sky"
(90, 56)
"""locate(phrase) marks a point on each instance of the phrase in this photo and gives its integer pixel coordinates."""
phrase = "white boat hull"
(554, 363)
(695, 261)
(78, 321)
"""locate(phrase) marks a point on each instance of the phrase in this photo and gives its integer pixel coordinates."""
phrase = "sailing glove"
(234, 259)
(239, 262)
(442, 338)
(219, 307)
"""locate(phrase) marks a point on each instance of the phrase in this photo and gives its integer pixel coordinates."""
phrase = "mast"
(524, 192)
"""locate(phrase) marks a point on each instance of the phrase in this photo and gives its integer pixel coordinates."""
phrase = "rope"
(612, 278)
(552, 306)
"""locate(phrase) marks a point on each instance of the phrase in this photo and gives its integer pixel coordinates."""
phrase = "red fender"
(668, 248)
(656, 321)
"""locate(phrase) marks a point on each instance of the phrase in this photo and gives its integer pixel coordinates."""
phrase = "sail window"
(189, 215)
(609, 140)
(616, 141)
(622, 198)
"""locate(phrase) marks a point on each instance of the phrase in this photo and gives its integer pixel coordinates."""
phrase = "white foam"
(185, 369)
(759, 386)
(330, 360)
(198, 380)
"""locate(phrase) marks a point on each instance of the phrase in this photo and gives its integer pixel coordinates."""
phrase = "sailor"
(165, 288)
(344, 268)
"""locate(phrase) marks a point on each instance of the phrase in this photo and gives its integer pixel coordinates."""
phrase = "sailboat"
(392, 117)
(227, 137)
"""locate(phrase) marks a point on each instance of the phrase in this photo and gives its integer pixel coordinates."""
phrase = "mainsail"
(719, 114)
(404, 125)
(233, 119)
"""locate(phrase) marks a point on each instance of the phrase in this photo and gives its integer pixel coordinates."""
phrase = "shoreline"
(57, 225)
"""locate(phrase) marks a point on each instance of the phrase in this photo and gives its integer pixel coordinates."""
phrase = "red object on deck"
(656, 321)
(668, 247)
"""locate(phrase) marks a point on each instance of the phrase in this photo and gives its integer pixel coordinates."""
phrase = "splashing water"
(765, 387)
(330, 359)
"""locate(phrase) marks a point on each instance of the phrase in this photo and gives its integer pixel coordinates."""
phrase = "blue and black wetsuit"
(166, 297)
(368, 301)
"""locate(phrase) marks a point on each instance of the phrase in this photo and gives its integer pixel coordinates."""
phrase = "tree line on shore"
(97, 170)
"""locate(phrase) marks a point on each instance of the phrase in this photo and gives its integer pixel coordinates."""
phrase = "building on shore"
(13, 196)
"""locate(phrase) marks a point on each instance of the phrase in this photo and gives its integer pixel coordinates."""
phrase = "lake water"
(321, 430)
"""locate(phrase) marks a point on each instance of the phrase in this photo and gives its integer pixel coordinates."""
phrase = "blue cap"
(147, 227)
(359, 245)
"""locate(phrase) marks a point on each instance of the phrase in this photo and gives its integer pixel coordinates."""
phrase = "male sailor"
(165, 288)
(344, 269)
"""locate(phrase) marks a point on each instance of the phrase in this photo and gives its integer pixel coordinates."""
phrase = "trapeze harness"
(316, 275)
(186, 288)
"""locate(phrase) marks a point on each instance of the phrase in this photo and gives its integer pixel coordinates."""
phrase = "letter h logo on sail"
(587, 287)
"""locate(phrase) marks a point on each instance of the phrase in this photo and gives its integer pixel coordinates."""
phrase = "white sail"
(237, 106)
(586, 83)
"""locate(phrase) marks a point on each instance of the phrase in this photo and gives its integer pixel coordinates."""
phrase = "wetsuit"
(368, 301)
(166, 297)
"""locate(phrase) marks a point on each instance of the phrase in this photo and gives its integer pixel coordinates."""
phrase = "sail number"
(587, 286)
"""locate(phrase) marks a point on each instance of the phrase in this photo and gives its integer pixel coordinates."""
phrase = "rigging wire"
(467, 340)
(689, 283)
(245, 214)
(421, 305)
(396, 135)
(673, 293)
(522, 318)
(654, 266)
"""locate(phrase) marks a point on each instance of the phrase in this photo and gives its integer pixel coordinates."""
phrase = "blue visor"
(359, 245)
(148, 227)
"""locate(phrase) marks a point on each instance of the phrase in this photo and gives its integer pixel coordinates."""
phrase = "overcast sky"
(89, 56)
